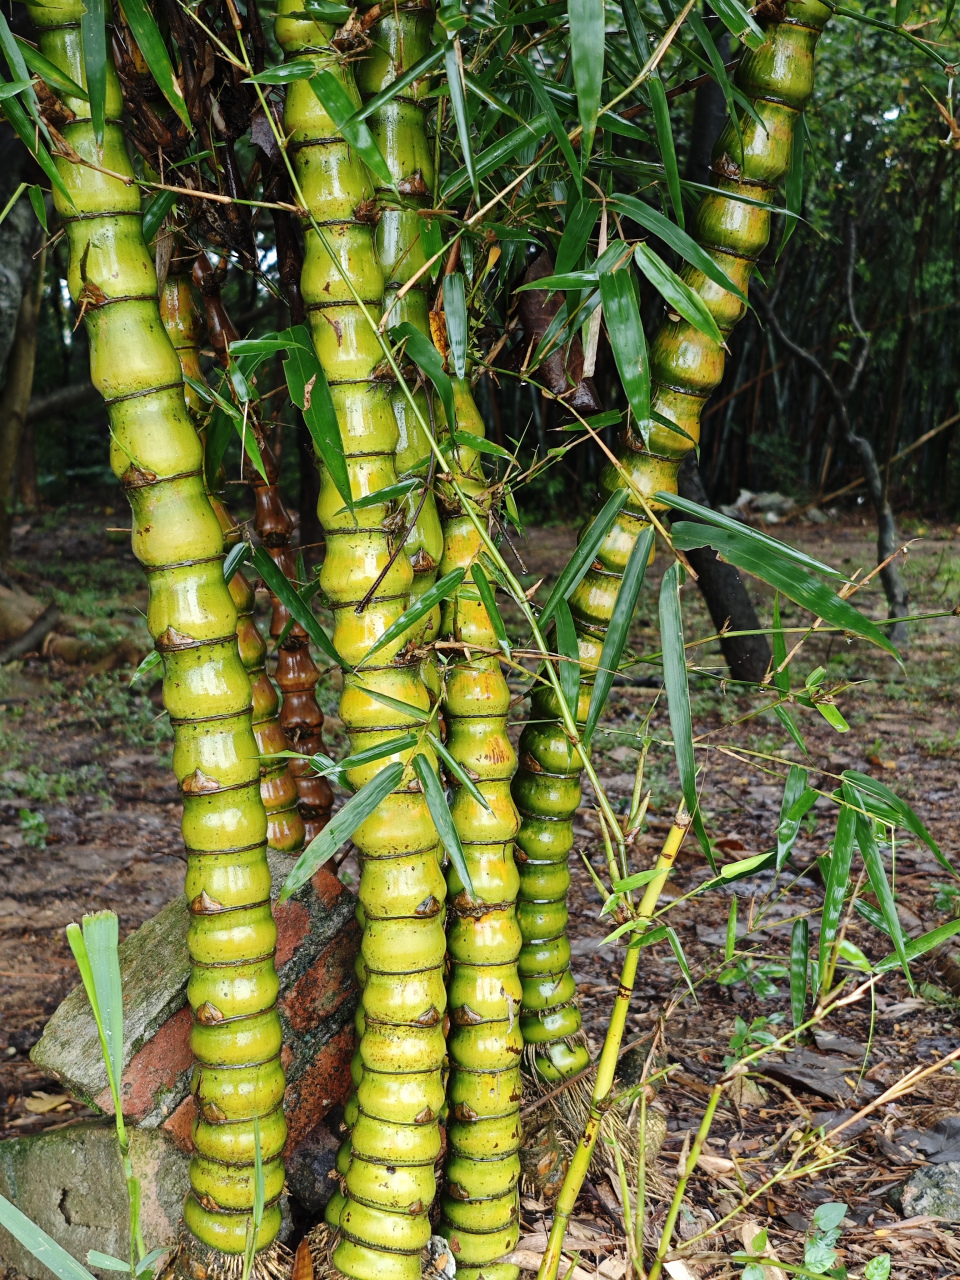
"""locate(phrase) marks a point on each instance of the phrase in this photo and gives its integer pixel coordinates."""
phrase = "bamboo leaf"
(730, 940)
(39, 208)
(782, 572)
(458, 771)
(458, 104)
(786, 719)
(781, 679)
(567, 647)
(93, 38)
(101, 937)
(150, 42)
(341, 110)
(678, 700)
(902, 12)
(676, 293)
(880, 884)
(553, 118)
(341, 827)
(106, 1261)
(327, 11)
(799, 968)
(155, 212)
(501, 152)
(149, 663)
(49, 72)
(28, 135)
(43, 1248)
(739, 23)
(396, 87)
(798, 798)
(237, 555)
(389, 493)
(622, 315)
(78, 945)
(619, 629)
(490, 604)
(587, 40)
(793, 184)
(869, 789)
(636, 881)
(310, 392)
(405, 708)
(12, 201)
(836, 882)
(676, 946)
(455, 310)
(420, 607)
(576, 234)
(916, 947)
(676, 238)
(17, 62)
(872, 916)
(324, 767)
(440, 813)
(658, 102)
(584, 555)
(286, 73)
(427, 358)
(287, 594)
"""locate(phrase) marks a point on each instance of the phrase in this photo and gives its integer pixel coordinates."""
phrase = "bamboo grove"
(406, 157)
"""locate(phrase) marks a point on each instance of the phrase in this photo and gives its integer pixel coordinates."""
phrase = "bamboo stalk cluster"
(238, 1079)
(750, 159)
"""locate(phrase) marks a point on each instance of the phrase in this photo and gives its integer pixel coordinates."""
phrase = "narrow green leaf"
(237, 555)
(837, 882)
(622, 315)
(458, 104)
(426, 357)
(658, 102)
(798, 798)
(619, 629)
(458, 771)
(389, 493)
(502, 152)
(676, 293)
(782, 572)
(288, 596)
(870, 789)
(150, 42)
(43, 1248)
(916, 947)
(872, 916)
(490, 604)
(636, 881)
(902, 12)
(341, 110)
(793, 184)
(739, 23)
(585, 554)
(13, 51)
(219, 433)
(702, 32)
(326, 11)
(781, 679)
(676, 947)
(730, 940)
(93, 38)
(420, 607)
(27, 133)
(12, 201)
(405, 708)
(39, 208)
(576, 234)
(310, 392)
(102, 939)
(786, 719)
(78, 946)
(455, 310)
(342, 826)
(324, 767)
(149, 663)
(286, 73)
(567, 648)
(440, 813)
(678, 700)
(396, 87)
(106, 1261)
(880, 884)
(14, 87)
(745, 867)
(587, 41)
(799, 968)
(832, 716)
(155, 212)
(553, 118)
(677, 239)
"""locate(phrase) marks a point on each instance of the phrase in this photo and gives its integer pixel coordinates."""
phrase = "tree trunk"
(724, 593)
(16, 397)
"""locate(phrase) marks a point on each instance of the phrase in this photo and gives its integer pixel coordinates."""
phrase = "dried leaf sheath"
(278, 790)
(236, 1036)
(395, 1139)
(686, 366)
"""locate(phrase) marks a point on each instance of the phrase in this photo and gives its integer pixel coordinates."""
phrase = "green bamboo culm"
(155, 450)
(480, 1202)
(400, 39)
(388, 1169)
(278, 788)
(686, 366)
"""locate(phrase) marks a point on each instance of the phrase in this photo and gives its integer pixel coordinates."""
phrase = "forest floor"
(89, 819)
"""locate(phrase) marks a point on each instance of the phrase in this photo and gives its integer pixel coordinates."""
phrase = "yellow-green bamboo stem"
(278, 789)
(607, 1066)
(686, 367)
(395, 1139)
(155, 450)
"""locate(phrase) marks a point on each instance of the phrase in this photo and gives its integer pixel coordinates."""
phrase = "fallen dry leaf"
(40, 1103)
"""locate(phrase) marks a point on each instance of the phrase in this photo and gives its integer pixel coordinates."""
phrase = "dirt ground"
(89, 819)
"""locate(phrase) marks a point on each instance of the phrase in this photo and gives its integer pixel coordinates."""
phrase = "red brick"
(325, 1083)
(293, 927)
(180, 1124)
(154, 1068)
(326, 984)
(327, 887)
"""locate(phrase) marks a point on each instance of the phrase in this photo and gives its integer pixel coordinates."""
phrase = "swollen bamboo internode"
(155, 450)
(686, 366)
(388, 1168)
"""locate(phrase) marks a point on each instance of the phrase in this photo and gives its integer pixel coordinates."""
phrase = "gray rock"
(933, 1190)
(70, 1182)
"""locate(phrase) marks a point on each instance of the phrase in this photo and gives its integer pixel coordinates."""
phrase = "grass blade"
(584, 555)
(288, 596)
(837, 880)
(622, 314)
(442, 820)
(619, 629)
(569, 651)
(799, 967)
(342, 826)
(43, 1248)
(586, 18)
(142, 23)
(676, 293)
(455, 310)
(678, 700)
(342, 111)
(439, 591)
